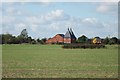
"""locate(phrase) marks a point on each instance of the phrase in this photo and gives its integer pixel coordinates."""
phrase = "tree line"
(20, 39)
(24, 38)
(107, 40)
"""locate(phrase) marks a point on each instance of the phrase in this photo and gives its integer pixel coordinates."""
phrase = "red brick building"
(59, 38)
(69, 37)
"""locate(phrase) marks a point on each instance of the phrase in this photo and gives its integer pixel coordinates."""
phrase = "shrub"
(84, 46)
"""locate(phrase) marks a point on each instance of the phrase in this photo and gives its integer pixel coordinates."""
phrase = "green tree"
(0, 38)
(118, 41)
(38, 40)
(33, 41)
(106, 40)
(82, 39)
(43, 41)
(29, 39)
(113, 40)
(24, 33)
(23, 37)
(7, 38)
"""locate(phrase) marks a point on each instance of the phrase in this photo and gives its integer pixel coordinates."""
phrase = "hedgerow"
(84, 46)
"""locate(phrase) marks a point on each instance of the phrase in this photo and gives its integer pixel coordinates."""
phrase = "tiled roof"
(61, 35)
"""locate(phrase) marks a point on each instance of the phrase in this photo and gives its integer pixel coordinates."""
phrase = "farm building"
(69, 37)
(97, 40)
(59, 38)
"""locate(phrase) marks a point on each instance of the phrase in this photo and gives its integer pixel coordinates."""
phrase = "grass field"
(51, 61)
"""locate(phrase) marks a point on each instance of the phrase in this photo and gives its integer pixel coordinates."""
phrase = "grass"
(52, 61)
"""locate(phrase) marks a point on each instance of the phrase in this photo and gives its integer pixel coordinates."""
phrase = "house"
(97, 40)
(59, 38)
(69, 37)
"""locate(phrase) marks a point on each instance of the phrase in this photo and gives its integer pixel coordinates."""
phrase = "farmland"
(52, 61)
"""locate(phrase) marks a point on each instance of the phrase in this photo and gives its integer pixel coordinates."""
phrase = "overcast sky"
(46, 19)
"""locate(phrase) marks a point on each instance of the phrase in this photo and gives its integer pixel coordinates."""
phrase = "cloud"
(111, 27)
(103, 9)
(56, 21)
(53, 16)
(33, 20)
(89, 21)
(92, 23)
(8, 20)
(35, 23)
(34, 28)
(20, 26)
(51, 21)
(107, 7)
(10, 10)
(14, 9)
(55, 26)
(91, 27)
(56, 15)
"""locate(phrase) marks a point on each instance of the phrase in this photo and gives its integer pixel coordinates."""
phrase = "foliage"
(42, 41)
(7, 38)
(24, 38)
(24, 33)
(82, 39)
(84, 46)
(113, 40)
(110, 41)
(106, 40)
(0, 39)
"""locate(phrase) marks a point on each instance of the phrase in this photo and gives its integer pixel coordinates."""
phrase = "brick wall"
(67, 40)
(56, 39)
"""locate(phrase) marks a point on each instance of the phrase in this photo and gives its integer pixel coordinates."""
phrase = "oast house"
(69, 37)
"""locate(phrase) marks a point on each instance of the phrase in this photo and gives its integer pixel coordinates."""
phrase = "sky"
(46, 19)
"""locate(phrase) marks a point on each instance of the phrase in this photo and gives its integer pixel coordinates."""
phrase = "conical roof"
(72, 34)
(69, 34)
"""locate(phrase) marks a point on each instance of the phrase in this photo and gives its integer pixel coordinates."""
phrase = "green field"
(51, 61)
